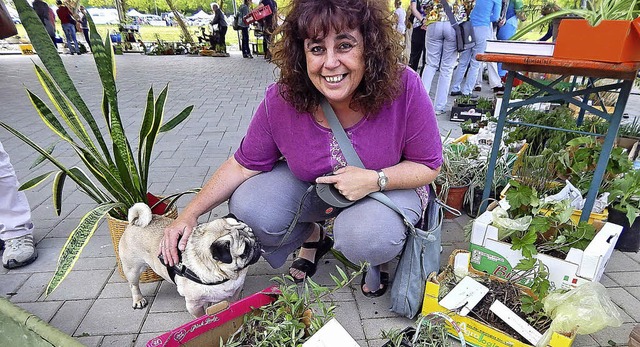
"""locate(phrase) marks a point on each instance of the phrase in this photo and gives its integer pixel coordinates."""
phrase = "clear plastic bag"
(507, 226)
(585, 309)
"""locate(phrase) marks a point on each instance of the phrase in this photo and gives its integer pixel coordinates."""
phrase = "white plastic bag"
(586, 309)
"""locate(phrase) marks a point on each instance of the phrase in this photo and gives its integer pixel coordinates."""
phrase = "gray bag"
(420, 257)
(421, 254)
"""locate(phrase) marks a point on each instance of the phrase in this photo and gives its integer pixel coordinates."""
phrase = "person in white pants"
(16, 229)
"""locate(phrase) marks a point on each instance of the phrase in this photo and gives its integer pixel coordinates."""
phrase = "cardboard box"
(495, 257)
(221, 321)
(475, 332)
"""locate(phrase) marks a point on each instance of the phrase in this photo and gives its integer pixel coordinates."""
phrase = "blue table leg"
(607, 146)
(497, 139)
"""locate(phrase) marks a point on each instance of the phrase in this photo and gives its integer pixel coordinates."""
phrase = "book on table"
(540, 48)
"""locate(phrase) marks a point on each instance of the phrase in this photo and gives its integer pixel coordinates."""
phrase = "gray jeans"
(365, 231)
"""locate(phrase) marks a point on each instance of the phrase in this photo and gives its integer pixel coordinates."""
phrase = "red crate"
(257, 14)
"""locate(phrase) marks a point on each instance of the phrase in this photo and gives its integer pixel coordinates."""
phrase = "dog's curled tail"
(140, 215)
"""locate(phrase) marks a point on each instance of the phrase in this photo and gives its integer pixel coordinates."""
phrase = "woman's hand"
(169, 242)
(352, 182)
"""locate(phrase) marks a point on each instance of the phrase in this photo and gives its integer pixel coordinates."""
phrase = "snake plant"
(112, 177)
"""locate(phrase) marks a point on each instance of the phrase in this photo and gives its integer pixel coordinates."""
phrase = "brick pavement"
(93, 303)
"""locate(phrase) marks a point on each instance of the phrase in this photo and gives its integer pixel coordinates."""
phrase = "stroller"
(216, 44)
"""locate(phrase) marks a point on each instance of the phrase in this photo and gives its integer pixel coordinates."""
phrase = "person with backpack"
(244, 29)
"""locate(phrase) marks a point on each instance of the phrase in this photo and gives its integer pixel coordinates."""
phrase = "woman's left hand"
(353, 182)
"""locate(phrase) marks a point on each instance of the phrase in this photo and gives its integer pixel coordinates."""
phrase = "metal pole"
(235, 12)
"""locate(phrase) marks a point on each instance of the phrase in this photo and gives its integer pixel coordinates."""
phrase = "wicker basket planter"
(116, 229)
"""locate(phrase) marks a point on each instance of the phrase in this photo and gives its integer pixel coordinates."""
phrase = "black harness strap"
(183, 271)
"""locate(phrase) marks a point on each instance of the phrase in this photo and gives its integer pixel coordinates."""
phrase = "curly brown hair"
(315, 19)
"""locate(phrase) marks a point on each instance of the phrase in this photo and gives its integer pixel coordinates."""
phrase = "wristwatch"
(382, 180)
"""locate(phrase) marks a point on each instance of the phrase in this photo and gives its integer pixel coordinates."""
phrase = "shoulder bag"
(464, 30)
(7, 28)
(421, 254)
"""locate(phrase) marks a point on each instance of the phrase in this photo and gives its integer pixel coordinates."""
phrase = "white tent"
(133, 13)
(201, 15)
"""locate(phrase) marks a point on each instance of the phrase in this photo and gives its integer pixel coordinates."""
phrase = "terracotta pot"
(455, 198)
(612, 41)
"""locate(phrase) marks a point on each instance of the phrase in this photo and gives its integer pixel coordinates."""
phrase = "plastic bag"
(507, 226)
(587, 309)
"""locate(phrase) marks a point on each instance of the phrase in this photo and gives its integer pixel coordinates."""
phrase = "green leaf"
(58, 185)
(41, 158)
(78, 239)
(175, 121)
(49, 56)
(526, 264)
(35, 181)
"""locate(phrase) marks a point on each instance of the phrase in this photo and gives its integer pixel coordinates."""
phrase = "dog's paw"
(142, 303)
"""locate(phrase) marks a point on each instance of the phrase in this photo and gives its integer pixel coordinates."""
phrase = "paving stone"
(627, 302)
(80, 285)
(70, 314)
(122, 290)
(162, 322)
(44, 310)
(167, 299)
(143, 338)
(112, 316)
(119, 340)
(346, 314)
(32, 288)
(626, 279)
(618, 335)
(373, 327)
(90, 341)
(585, 341)
(10, 283)
(621, 262)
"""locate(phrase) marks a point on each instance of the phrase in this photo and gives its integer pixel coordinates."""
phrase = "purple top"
(406, 129)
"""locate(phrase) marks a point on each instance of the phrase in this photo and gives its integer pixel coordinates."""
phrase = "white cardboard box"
(495, 257)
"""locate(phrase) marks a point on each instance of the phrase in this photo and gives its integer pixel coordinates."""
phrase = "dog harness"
(183, 271)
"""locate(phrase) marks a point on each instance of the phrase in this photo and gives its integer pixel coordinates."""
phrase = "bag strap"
(353, 159)
(447, 10)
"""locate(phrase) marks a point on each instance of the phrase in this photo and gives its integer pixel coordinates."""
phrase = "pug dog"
(216, 255)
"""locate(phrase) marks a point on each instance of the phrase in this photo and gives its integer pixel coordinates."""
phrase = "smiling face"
(335, 64)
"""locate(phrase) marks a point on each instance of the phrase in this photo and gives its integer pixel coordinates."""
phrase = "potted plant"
(610, 26)
(459, 166)
(469, 127)
(430, 331)
(114, 179)
(465, 107)
(624, 209)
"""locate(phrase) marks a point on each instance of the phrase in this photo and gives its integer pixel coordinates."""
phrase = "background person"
(244, 29)
(85, 25)
(42, 10)
(68, 26)
(484, 13)
(219, 19)
(16, 229)
(419, 32)
(269, 24)
(442, 51)
(507, 27)
(383, 107)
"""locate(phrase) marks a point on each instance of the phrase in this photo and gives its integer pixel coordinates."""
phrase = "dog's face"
(219, 249)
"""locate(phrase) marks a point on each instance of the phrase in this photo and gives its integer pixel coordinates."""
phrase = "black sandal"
(323, 246)
(384, 281)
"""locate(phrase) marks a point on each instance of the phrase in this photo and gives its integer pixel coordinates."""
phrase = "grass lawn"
(149, 32)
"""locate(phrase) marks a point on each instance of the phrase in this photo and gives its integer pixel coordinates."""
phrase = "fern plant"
(114, 178)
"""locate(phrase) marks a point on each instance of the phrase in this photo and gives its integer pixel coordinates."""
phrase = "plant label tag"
(331, 334)
(514, 321)
(464, 296)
